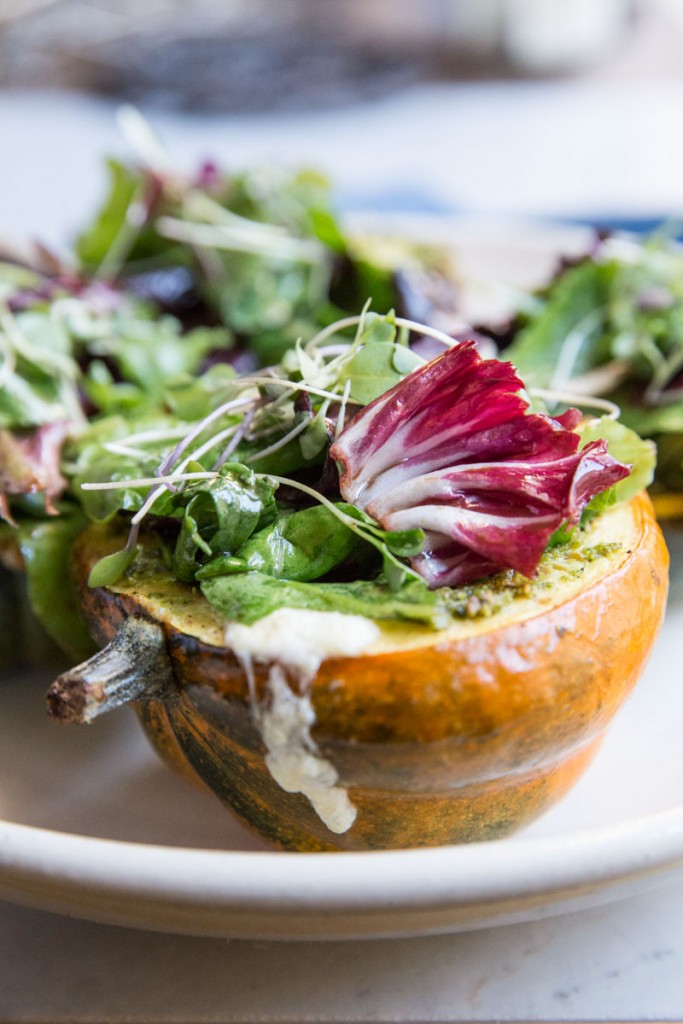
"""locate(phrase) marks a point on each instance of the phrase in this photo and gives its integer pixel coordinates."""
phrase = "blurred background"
(249, 55)
(490, 107)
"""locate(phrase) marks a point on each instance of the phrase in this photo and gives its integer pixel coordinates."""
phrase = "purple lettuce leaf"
(454, 450)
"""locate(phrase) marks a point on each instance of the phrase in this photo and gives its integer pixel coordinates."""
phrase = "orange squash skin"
(446, 743)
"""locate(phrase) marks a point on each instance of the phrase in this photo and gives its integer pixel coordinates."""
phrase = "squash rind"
(457, 736)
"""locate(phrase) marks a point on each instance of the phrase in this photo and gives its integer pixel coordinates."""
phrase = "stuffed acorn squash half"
(416, 637)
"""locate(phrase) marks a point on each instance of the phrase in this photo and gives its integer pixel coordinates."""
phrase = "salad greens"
(262, 252)
(611, 325)
(205, 373)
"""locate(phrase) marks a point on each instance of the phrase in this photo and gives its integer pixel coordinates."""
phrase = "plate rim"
(392, 893)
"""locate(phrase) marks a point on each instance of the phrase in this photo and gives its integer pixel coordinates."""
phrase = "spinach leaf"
(302, 546)
(218, 516)
(249, 597)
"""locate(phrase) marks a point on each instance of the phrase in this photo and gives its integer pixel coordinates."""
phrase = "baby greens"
(612, 325)
(196, 376)
(263, 252)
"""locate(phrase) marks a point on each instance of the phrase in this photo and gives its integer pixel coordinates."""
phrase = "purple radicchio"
(29, 464)
(454, 450)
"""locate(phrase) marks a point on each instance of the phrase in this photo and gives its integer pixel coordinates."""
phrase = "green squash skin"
(386, 819)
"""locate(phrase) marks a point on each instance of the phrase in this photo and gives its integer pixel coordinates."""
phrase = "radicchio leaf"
(454, 450)
(29, 464)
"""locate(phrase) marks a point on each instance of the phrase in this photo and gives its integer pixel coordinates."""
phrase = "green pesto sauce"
(559, 565)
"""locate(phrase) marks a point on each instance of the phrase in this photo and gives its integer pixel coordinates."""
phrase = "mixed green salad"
(220, 363)
(610, 324)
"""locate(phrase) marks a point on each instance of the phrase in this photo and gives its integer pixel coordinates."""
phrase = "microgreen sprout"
(280, 443)
(237, 238)
(147, 481)
(610, 409)
(359, 321)
(129, 445)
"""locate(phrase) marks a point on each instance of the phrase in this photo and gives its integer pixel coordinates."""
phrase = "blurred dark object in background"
(253, 69)
(213, 55)
(252, 55)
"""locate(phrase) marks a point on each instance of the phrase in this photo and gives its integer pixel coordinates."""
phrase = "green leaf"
(303, 546)
(405, 360)
(403, 543)
(95, 464)
(92, 246)
(670, 462)
(378, 328)
(192, 398)
(288, 459)
(28, 399)
(567, 328)
(114, 237)
(315, 437)
(626, 446)
(372, 371)
(249, 597)
(219, 515)
(109, 569)
(46, 549)
(648, 422)
(150, 353)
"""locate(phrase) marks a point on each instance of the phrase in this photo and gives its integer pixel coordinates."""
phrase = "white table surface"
(590, 148)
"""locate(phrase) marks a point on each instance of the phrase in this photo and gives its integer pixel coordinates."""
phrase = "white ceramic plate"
(94, 826)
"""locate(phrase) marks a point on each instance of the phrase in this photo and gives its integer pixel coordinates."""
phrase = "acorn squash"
(426, 737)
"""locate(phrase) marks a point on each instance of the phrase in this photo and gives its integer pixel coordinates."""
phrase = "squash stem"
(133, 666)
